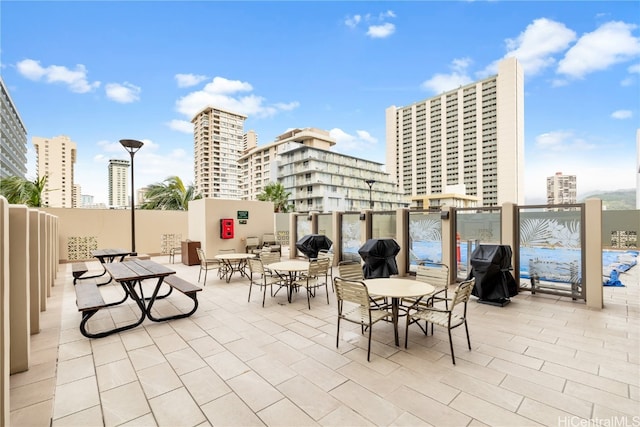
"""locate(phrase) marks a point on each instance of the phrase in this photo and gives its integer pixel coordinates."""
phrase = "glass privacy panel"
(384, 225)
(551, 247)
(475, 227)
(425, 238)
(303, 226)
(351, 237)
(325, 226)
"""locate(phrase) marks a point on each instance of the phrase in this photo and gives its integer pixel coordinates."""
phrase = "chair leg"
(467, 331)
(326, 289)
(369, 345)
(264, 294)
(338, 333)
(199, 274)
(406, 331)
(308, 299)
(453, 358)
(250, 285)
(205, 276)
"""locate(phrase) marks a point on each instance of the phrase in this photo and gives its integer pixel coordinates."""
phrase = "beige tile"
(123, 404)
(36, 373)
(309, 397)
(185, 360)
(375, 408)
(144, 357)
(271, 369)
(75, 369)
(176, 408)
(544, 414)
(409, 420)
(602, 383)
(283, 352)
(328, 357)
(115, 374)
(206, 346)
(226, 365)
(38, 414)
(136, 338)
(170, 343)
(204, 385)
(496, 395)
(187, 329)
(74, 350)
(223, 335)
(543, 378)
(109, 352)
(75, 396)
(254, 390)
(284, 413)
(146, 420)
(602, 398)
(230, 411)
(379, 364)
(245, 349)
(91, 417)
(488, 413)
(293, 339)
(318, 374)
(158, 379)
(428, 385)
(344, 416)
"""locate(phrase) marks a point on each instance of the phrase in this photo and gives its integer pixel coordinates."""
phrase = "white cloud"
(346, 143)
(224, 93)
(381, 31)
(609, 44)
(352, 21)
(76, 80)
(181, 126)
(561, 141)
(188, 80)
(124, 93)
(443, 82)
(634, 69)
(622, 114)
(535, 46)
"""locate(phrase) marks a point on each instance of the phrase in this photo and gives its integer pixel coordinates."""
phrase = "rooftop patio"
(540, 360)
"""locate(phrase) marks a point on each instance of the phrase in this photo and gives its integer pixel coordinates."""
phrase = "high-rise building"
(77, 196)
(13, 137)
(318, 179)
(118, 183)
(55, 159)
(249, 140)
(561, 189)
(218, 144)
(472, 135)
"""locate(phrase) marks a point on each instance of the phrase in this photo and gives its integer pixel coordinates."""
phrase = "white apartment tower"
(561, 189)
(472, 135)
(55, 158)
(118, 183)
(13, 137)
(319, 180)
(218, 144)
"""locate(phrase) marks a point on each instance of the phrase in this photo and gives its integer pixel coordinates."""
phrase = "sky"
(99, 72)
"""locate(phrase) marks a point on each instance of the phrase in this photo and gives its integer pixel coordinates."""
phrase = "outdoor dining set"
(366, 291)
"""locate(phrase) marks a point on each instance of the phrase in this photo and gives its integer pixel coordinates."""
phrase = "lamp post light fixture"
(370, 182)
(132, 146)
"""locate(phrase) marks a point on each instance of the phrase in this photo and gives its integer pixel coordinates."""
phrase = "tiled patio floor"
(540, 360)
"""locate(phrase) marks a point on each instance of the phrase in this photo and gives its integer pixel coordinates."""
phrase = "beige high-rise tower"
(55, 159)
(561, 189)
(472, 135)
(118, 183)
(218, 137)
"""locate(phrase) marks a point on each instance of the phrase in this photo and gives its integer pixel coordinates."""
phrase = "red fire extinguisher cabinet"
(226, 228)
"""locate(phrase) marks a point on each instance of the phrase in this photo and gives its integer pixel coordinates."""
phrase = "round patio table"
(293, 268)
(397, 288)
(234, 263)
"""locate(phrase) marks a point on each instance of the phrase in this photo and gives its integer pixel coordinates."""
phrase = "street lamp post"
(132, 146)
(370, 182)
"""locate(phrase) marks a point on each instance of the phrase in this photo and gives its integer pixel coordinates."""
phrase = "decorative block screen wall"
(81, 247)
(168, 241)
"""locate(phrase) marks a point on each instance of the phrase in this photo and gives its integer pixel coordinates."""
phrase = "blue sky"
(104, 71)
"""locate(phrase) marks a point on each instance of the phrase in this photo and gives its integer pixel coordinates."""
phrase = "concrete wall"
(4, 312)
(112, 228)
(19, 287)
(204, 223)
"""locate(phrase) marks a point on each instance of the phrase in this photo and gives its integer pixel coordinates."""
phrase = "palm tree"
(275, 192)
(21, 191)
(171, 194)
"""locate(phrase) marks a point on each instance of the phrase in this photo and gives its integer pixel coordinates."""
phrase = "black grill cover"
(491, 265)
(379, 256)
(310, 244)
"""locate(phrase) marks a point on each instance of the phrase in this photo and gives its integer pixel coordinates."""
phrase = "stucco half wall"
(205, 216)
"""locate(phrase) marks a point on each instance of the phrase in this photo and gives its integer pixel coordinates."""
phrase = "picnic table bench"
(130, 274)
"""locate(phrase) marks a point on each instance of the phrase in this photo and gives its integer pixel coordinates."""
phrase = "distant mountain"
(613, 200)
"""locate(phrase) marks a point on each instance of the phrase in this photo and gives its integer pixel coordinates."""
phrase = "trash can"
(491, 267)
(379, 256)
